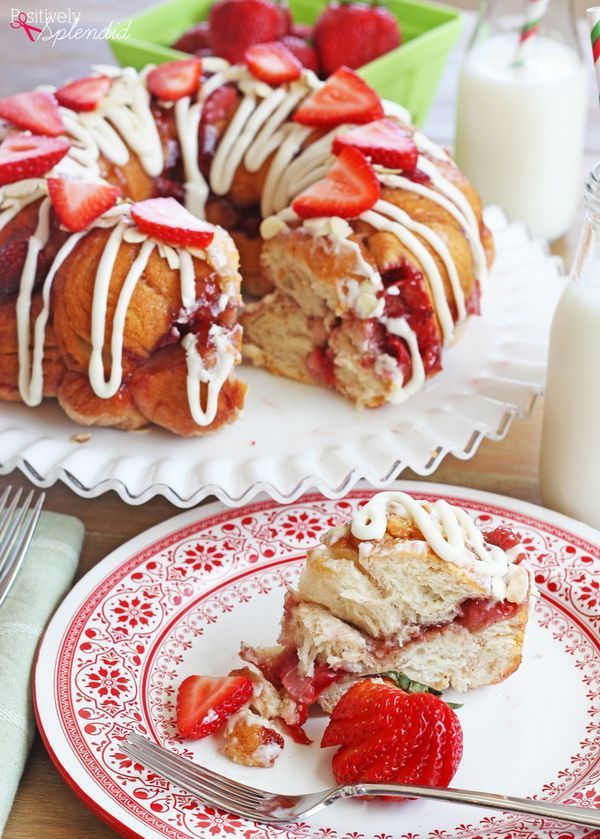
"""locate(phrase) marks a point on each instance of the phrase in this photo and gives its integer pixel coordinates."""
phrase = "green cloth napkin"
(45, 577)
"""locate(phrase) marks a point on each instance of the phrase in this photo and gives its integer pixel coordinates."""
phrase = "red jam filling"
(479, 614)
(216, 113)
(413, 303)
(473, 302)
(320, 364)
(502, 537)
(418, 176)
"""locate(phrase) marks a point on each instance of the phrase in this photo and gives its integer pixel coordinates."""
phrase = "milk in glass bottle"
(570, 459)
(521, 112)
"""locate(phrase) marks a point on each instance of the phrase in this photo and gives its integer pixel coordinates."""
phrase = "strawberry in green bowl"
(400, 49)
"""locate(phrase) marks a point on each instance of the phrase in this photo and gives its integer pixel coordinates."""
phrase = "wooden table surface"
(45, 807)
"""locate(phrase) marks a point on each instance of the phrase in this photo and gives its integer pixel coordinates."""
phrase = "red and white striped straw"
(536, 9)
(593, 15)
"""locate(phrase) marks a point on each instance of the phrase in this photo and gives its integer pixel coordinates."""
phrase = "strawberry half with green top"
(36, 111)
(84, 94)
(167, 219)
(344, 97)
(387, 734)
(272, 63)
(353, 34)
(28, 156)
(204, 703)
(350, 188)
(175, 79)
(384, 142)
(236, 25)
(78, 203)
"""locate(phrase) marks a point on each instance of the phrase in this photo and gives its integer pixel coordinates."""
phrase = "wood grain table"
(45, 807)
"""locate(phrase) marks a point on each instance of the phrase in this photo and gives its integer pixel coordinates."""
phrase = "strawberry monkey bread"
(129, 201)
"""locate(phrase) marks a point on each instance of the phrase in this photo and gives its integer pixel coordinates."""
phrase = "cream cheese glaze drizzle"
(261, 127)
(222, 351)
(452, 534)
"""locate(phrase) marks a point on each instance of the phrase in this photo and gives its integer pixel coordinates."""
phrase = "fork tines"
(17, 526)
(205, 784)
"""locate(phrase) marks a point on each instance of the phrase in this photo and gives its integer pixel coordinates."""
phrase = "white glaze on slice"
(451, 534)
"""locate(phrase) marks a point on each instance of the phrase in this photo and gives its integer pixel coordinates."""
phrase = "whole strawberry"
(236, 25)
(354, 34)
(304, 52)
(387, 734)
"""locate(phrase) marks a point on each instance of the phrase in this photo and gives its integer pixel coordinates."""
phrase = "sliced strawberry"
(84, 94)
(350, 188)
(344, 97)
(36, 111)
(175, 79)
(384, 142)
(387, 735)
(204, 703)
(28, 156)
(502, 537)
(166, 219)
(78, 203)
(272, 63)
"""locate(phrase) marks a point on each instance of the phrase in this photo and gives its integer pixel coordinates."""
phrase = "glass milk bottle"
(521, 113)
(570, 459)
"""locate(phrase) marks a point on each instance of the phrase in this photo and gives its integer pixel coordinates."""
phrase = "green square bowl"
(408, 75)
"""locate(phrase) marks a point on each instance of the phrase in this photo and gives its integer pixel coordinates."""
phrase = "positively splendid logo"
(50, 27)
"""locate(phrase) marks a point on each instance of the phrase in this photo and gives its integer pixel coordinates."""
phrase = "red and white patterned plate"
(179, 599)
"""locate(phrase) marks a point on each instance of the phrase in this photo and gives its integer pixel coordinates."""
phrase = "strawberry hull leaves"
(411, 686)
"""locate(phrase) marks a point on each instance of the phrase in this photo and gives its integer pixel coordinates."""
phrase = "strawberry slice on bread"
(350, 188)
(84, 94)
(28, 156)
(175, 79)
(384, 142)
(344, 97)
(36, 111)
(167, 219)
(387, 734)
(272, 63)
(78, 203)
(204, 703)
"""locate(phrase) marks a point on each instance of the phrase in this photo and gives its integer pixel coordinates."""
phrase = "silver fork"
(17, 526)
(270, 808)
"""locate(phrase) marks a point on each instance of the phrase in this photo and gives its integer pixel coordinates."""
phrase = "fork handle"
(509, 803)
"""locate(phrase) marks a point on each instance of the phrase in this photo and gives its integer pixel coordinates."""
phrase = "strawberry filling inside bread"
(405, 600)
(407, 587)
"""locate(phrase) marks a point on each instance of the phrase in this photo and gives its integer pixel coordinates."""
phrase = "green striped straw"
(536, 9)
(593, 15)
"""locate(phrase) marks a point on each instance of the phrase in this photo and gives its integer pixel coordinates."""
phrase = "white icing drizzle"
(31, 379)
(260, 128)
(102, 388)
(214, 377)
(471, 232)
(386, 216)
(404, 390)
(187, 120)
(452, 534)
(31, 371)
